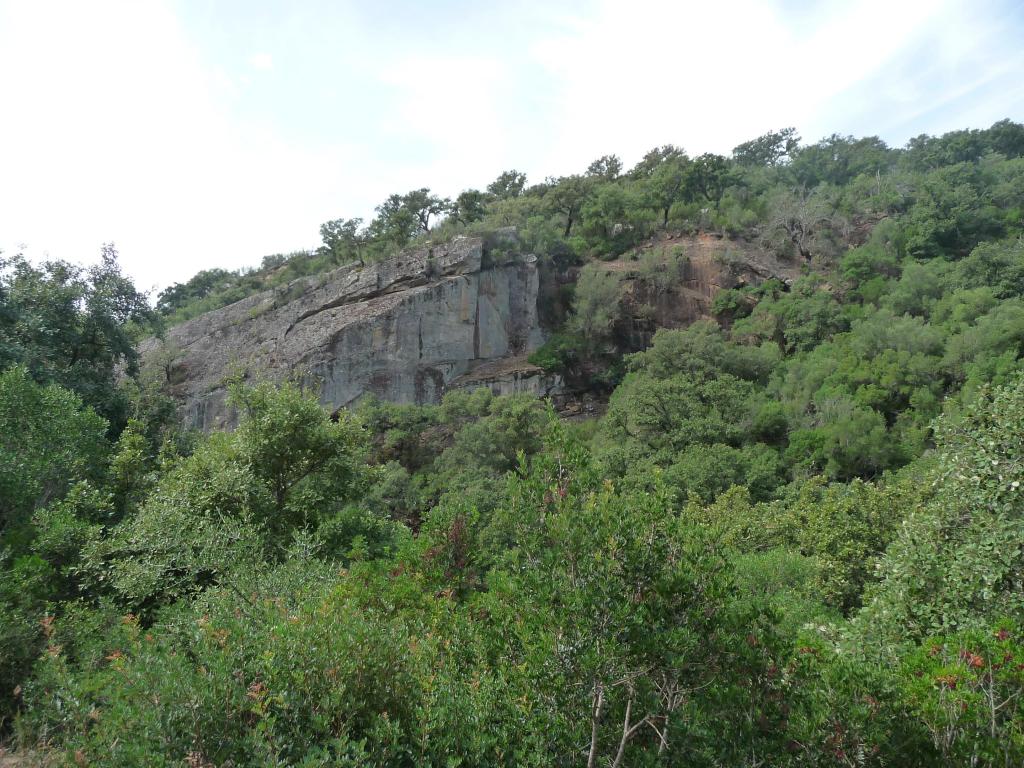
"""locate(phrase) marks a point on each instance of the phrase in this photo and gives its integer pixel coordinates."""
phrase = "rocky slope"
(703, 264)
(460, 315)
(402, 330)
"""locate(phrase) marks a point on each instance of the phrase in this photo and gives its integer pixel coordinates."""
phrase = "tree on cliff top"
(567, 196)
(508, 184)
(343, 239)
(423, 205)
(771, 149)
(400, 217)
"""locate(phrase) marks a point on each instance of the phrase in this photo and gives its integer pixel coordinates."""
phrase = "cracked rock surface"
(401, 329)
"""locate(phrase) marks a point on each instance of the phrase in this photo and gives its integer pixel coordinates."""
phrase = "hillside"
(335, 512)
(457, 314)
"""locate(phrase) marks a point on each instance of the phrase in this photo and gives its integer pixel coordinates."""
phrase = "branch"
(662, 734)
(627, 731)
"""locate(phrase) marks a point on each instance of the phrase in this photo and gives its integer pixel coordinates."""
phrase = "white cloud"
(113, 132)
(261, 61)
(637, 75)
(117, 127)
(449, 104)
(710, 75)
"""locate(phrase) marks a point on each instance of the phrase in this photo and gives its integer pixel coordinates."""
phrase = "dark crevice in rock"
(476, 327)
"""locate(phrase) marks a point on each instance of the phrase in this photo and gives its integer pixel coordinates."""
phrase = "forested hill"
(801, 199)
(795, 537)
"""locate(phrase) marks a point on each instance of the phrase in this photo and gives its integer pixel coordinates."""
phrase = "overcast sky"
(202, 133)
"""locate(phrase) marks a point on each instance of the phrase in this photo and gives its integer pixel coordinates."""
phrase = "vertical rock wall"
(401, 330)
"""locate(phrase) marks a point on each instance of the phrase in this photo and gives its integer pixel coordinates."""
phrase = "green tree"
(926, 153)
(75, 327)
(394, 223)
(771, 149)
(237, 501)
(424, 205)
(1007, 138)
(708, 471)
(596, 303)
(588, 572)
(48, 441)
(343, 239)
(655, 419)
(606, 168)
(999, 265)
(509, 184)
(845, 529)
(965, 689)
(567, 196)
(837, 160)
(797, 320)
(668, 184)
(470, 206)
(953, 211)
(956, 561)
(199, 286)
(654, 158)
(612, 214)
(708, 177)
(307, 459)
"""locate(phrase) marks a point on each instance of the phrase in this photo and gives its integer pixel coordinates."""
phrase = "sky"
(210, 133)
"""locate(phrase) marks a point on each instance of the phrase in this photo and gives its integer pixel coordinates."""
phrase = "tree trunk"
(627, 731)
(595, 716)
(625, 734)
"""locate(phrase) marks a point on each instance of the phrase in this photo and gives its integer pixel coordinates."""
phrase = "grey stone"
(402, 330)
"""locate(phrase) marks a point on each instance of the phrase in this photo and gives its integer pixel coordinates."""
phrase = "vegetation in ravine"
(795, 537)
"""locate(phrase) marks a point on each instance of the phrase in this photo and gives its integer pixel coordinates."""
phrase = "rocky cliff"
(403, 330)
(459, 315)
(696, 267)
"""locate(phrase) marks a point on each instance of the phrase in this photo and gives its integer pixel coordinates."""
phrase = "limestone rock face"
(401, 330)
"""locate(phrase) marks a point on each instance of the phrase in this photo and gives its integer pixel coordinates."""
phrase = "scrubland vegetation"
(796, 537)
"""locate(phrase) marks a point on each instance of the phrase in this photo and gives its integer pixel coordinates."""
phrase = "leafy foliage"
(74, 327)
(48, 441)
(794, 538)
(956, 563)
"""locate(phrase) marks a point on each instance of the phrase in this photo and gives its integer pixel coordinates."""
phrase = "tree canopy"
(788, 533)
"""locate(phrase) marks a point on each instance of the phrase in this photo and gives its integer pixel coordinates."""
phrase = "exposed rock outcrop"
(511, 376)
(459, 315)
(706, 264)
(402, 330)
